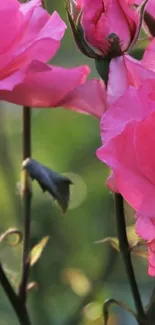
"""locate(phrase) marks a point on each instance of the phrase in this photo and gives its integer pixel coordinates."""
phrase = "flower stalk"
(125, 252)
(15, 301)
(26, 195)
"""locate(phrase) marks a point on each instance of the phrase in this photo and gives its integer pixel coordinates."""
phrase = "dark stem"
(102, 67)
(26, 194)
(18, 307)
(43, 3)
(125, 252)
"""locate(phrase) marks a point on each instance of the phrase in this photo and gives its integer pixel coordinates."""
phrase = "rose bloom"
(128, 136)
(29, 37)
(104, 20)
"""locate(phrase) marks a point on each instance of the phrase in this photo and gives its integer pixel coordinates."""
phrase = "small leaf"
(113, 241)
(108, 303)
(137, 245)
(10, 232)
(37, 250)
(54, 183)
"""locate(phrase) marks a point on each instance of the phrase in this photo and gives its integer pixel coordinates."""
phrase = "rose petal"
(119, 154)
(133, 105)
(88, 98)
(145, 227)
(10, 16)
(41, 86)
(144, 146)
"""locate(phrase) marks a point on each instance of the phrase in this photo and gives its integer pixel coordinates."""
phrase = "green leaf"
(37, 250)
(113, 241)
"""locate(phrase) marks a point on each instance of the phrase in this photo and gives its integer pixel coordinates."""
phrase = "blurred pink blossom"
(30, 37)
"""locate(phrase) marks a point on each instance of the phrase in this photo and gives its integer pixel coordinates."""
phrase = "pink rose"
(108, 21)
(30, 37)
(127, 129)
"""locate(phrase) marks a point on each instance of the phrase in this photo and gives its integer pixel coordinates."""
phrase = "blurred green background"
(74, 275)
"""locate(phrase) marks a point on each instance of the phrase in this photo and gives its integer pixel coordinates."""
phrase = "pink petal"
(13, 79)
(145, 227)
(137, 72)
(10, 16)
(144, 145)
(39, 38)
(41, 86)
(45, 44)
(118, 79)
(148, 60)
(151, 270)
(25, 7)
(133, 105)
(151, 257)
(111, 183)
(88, 98)
(119, 154)
(126, 71)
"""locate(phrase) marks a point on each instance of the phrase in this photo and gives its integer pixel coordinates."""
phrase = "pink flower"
(127, 129)
(108, 22)
(30, 37)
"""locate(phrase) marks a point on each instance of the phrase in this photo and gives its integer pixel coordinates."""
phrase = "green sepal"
(79, 35)
(102, 67)
(150, 23)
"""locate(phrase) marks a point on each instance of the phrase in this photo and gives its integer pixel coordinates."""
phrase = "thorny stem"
(26, 194)
(17, 305)
(125, 252)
